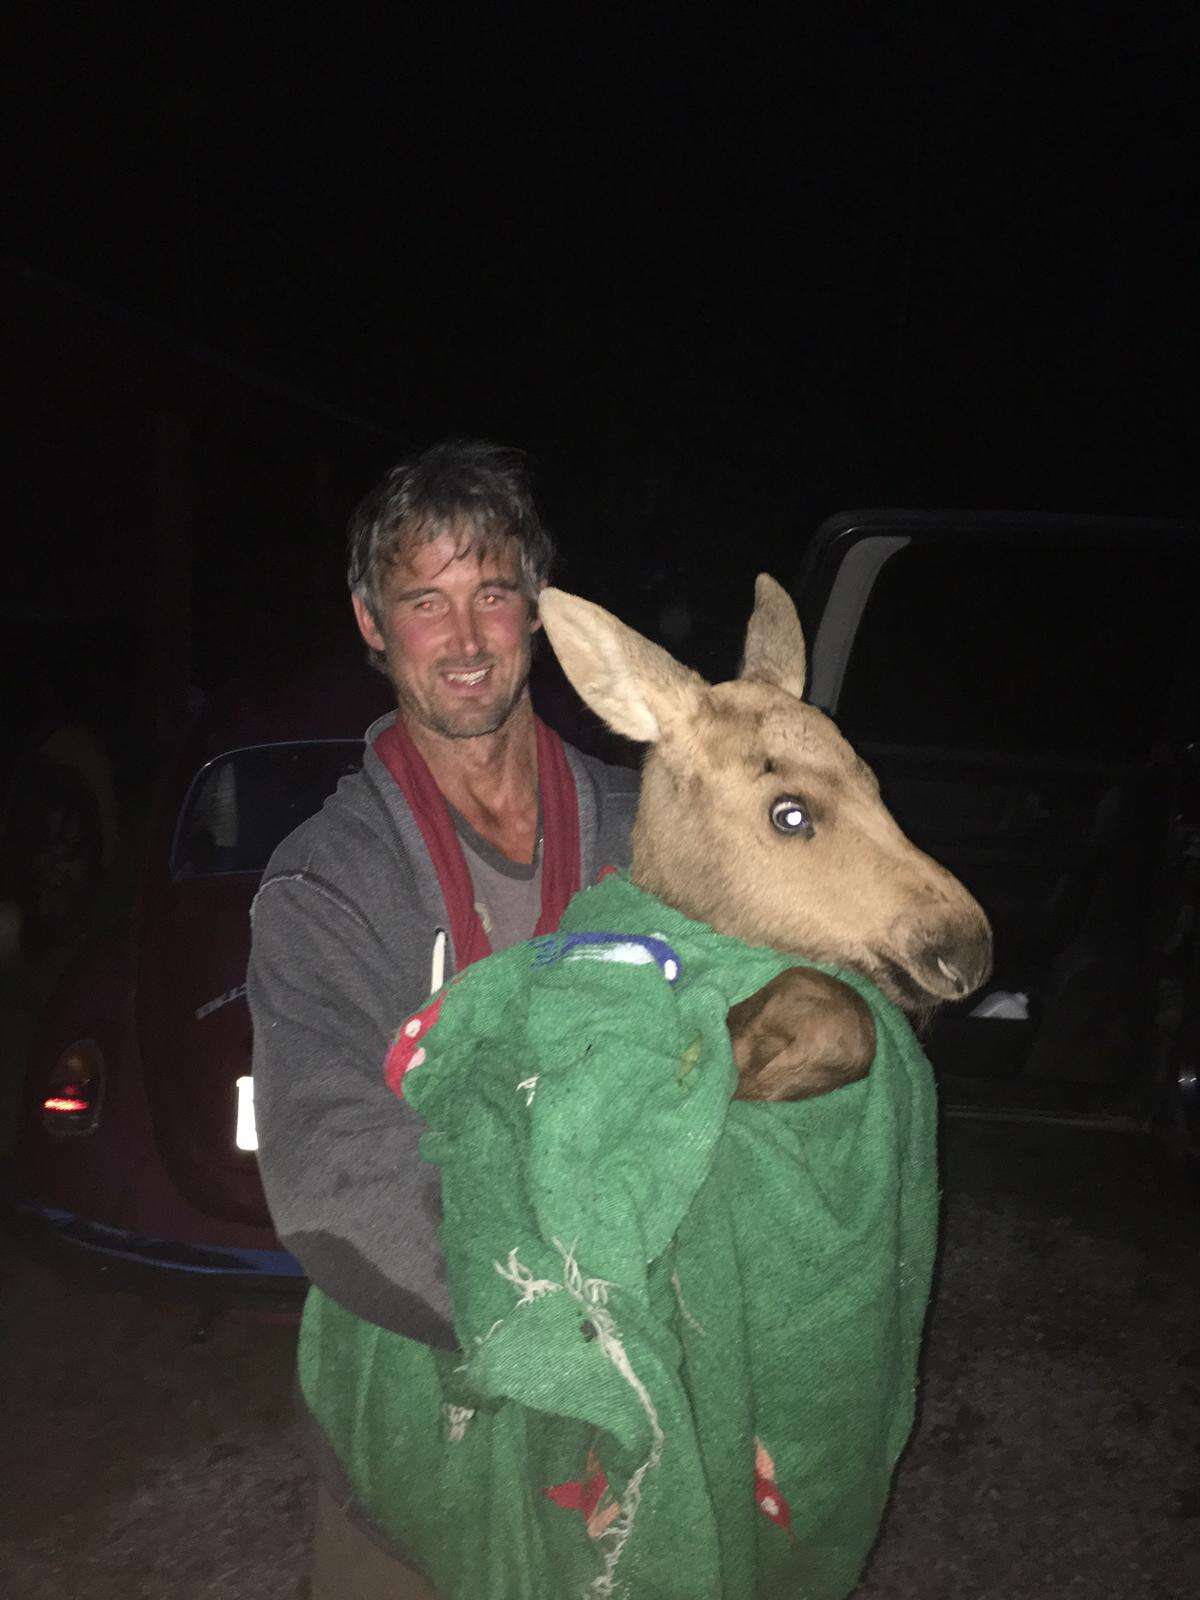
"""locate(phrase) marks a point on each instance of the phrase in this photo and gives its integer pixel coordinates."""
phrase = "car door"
(193, 1020)
(1025, 688)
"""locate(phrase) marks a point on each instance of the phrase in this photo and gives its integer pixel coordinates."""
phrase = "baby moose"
(757, 818)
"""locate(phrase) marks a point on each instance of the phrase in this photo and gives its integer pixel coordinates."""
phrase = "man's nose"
(465, 635)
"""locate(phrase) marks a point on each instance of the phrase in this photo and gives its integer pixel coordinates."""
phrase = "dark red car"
(137, 1131)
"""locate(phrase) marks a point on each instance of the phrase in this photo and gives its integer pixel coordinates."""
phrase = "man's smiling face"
(456, 633)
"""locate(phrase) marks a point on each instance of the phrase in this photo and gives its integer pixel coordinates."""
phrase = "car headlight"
(245, 1135)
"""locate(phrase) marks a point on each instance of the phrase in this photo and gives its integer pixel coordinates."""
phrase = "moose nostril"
(971, 962)
(953, 976)
(963, 962)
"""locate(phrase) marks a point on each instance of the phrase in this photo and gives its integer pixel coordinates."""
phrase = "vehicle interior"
(1028, 705)
(240, 806)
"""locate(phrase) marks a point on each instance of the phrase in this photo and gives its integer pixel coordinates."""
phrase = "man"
(468, 829)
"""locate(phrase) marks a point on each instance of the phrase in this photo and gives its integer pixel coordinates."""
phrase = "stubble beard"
(466, 722)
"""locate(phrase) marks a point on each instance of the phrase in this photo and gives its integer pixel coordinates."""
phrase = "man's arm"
(349, 1194)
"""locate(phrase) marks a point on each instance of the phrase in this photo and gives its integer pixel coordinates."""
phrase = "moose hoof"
(800, 1035)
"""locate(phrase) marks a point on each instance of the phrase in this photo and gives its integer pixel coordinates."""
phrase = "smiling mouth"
(467, 680)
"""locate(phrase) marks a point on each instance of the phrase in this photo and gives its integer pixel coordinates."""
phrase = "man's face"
(456, 633)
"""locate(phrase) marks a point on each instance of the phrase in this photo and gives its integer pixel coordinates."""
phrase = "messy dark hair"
(477, 492)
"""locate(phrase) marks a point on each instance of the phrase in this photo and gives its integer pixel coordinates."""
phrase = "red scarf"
(560, 834)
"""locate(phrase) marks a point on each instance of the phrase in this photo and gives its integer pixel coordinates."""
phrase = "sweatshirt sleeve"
(349, 1193)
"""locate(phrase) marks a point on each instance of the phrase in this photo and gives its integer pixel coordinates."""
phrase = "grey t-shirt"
(508, 894)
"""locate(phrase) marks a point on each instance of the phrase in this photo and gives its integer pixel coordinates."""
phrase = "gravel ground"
(1057, 1452)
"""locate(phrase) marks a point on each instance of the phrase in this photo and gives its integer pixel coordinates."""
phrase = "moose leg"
(800, 1035)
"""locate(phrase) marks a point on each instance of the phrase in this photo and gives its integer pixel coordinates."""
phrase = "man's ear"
(367, 625)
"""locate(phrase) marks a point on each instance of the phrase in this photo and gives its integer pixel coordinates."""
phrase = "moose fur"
(758, 818)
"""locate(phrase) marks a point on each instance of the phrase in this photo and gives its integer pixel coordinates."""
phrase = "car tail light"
(74, 1089)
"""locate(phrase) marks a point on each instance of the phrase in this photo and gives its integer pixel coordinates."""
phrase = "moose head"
(758, 818)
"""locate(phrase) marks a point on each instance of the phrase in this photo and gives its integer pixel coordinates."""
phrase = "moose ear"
(639, 689)
(774, 651)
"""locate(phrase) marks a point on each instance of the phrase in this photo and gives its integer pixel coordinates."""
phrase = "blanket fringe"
(591, 1294)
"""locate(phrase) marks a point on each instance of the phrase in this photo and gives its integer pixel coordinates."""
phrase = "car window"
(241, 805)
(1021, 646)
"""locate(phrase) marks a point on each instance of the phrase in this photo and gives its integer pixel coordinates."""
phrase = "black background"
(721, 270)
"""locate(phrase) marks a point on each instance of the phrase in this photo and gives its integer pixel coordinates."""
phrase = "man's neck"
(492, 779)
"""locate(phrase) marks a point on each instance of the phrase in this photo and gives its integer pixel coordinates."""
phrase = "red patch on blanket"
(407, 1049)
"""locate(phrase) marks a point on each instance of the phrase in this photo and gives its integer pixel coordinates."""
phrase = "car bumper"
(276, 1270)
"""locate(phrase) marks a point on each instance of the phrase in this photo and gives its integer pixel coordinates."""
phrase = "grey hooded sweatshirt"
(346, 927)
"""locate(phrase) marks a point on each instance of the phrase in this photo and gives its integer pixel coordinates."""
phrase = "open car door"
(1028, 690)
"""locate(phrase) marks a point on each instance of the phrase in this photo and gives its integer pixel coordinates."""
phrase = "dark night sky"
(719, 268)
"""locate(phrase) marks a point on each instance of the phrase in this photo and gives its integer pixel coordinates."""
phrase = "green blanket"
(689, 1324)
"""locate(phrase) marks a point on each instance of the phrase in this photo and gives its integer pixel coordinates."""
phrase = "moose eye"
(790, 816)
